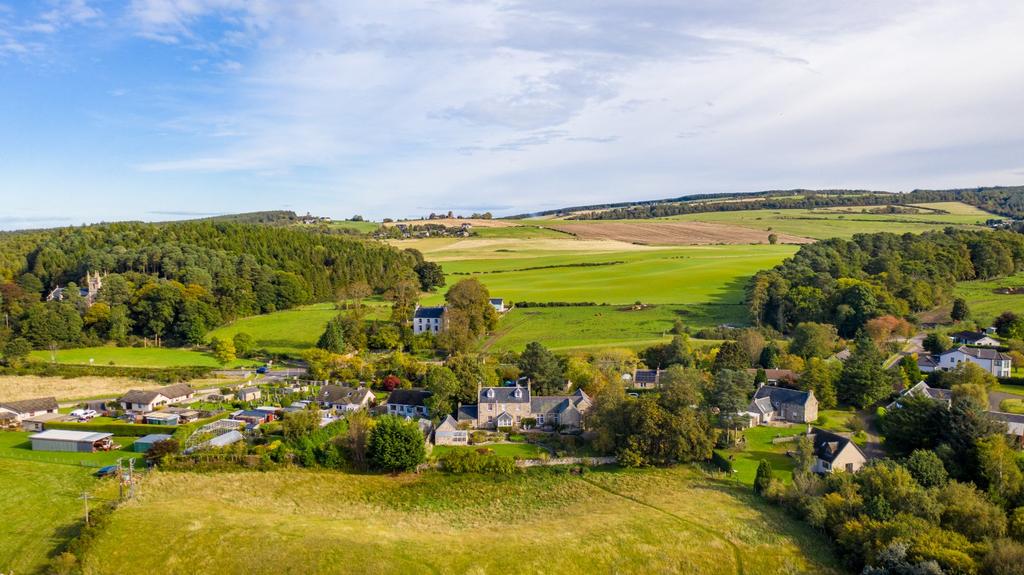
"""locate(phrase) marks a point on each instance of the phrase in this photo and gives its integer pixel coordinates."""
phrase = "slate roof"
(31, 405)
(341, 394)
(828, 445)
(504, 395)
(467, 413)
(922, 389)
(429, 312)
(497, 301)
(139, 396)
(926, 361)
(761, 405)
(414, 397)
(248, 390)
(969, 336)
(780, 395)
(176, 390)
(557, 403)
(986, 353)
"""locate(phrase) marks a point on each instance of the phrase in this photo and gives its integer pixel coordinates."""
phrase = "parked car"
(262, 370)
(83, 414)
(108, 471)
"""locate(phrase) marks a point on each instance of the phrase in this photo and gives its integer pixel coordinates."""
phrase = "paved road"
(997, 397)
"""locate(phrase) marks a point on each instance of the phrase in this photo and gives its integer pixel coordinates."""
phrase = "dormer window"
(490, 393)
(517, 393)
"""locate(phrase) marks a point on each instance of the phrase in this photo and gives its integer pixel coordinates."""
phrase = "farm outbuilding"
(143, 444)
(72, 441)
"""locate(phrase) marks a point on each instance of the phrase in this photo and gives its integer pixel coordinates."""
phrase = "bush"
(396, 444)
(471, 461)
(719, 461)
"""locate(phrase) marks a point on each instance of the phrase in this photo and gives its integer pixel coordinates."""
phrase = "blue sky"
(168, 109)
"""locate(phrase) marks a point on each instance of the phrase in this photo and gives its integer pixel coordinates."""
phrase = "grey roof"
(504, 395)
(449, 424)
(1007, 417)
(761, 405)
(176, 390)
(248, 390)
(828, 445)
(497, 300)
(429, 312)
(926, 361)
(31, 405)
(153, 438)
(341, 394)
(980, 353)
(969, 336)
(467, 413)
(139, 396)
(67, 435)
(414, 397)
(922, 389)
(780, 395)
(557, 403)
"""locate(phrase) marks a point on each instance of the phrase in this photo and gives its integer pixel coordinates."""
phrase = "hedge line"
(719, 461)
(161, 375)
(122, 429)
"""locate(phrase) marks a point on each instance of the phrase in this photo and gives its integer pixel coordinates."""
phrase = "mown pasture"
(985, 304)
(135, 357)
(545, 520)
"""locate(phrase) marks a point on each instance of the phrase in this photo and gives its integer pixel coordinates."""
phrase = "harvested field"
(16, 387)
(673, 233)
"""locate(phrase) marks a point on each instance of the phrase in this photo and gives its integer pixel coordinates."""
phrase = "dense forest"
(178, 280)
(848, 282)
(1004, 201)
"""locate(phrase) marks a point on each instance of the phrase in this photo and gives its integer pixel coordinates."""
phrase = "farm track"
(736, 552)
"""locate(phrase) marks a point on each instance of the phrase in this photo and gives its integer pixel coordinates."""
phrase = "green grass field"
(746, 458)
(520, 450)
(844, 222)
(41, 509)
(16, 445)
(985, 304)
(527, 271)
(135, 357)
(291, 331)
(581, 328)
(608, 521)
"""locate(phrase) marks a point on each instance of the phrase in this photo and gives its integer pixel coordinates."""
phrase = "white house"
(431, 319)
(345, 398)
(408, 403)
(978, 338)
(997, 363)
(498, 304)
(144, 401)
(834, 452)
(29, 408)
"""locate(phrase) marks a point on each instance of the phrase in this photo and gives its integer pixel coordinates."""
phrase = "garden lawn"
(544, 520)
(16, 445)
(291, 331)
(759, 446)
(582, 328)
(136, 357)
(517, 450)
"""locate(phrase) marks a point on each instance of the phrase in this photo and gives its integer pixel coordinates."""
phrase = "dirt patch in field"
(17, 387)
(674, 233)
(456, 222)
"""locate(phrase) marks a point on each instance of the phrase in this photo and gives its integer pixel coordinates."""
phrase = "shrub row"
(161, 375)
(556, 304)
(467, 461)
(719, 461)
(122, 429)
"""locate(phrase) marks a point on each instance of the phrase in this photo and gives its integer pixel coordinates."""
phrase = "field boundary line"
(737, 553)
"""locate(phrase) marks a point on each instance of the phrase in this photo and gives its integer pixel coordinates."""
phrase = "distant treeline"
(848, 282)
(1004, 201)
(178, 280)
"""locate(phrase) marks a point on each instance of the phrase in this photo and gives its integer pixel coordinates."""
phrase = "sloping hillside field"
(544, 521)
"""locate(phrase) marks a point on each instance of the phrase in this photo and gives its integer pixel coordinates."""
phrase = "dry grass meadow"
(607, 521)
(15, 387)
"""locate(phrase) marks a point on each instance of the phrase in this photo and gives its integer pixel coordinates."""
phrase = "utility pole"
(131, 478)
(120, 480)
(85, 497)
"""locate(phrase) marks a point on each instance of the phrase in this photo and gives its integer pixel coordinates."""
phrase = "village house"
(645, 378)
(144, 401)
(499, 407)
(431, 319)
(777, 376)
(19, 411)
(834, 452)
(408, 403)
(922, 389)
(448, 433)
(249, 394)
(997, 363)
(771, 403)
(498, 304)
(977, 338)
(346, 399)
